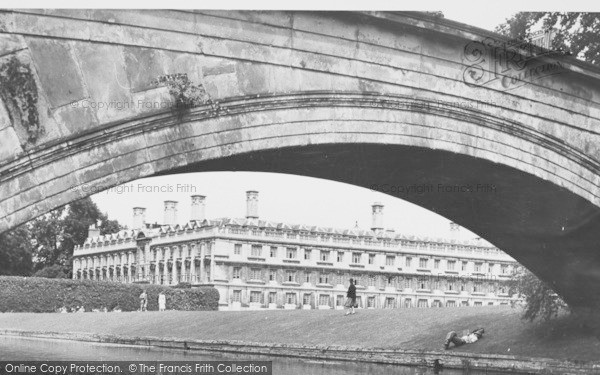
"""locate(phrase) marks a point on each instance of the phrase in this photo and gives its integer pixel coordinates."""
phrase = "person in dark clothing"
(351, 300)
(144, 301)
(452, 337)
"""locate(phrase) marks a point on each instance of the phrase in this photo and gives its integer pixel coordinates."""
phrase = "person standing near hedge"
(143, 301)
(162, 302)
(351, 300)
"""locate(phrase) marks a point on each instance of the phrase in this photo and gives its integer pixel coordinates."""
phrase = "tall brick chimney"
(170, 213)
(139, 218)
(252, 204)
(93, 231)
(377, 216)
(198, 208)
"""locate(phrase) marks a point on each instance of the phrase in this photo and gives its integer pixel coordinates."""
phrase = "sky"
(295, 199)
(282, 198)
(493, 15)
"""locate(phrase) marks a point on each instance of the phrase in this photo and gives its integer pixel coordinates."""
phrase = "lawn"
(506, 333)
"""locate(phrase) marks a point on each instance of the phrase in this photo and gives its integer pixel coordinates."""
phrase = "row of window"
(325, 300)
(368, 241)
(156, 253)
(390, 260)
(257, 274)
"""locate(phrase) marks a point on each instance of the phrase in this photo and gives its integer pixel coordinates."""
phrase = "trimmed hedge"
(33, 294)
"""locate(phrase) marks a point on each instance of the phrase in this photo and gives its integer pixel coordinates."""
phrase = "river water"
(14, 348)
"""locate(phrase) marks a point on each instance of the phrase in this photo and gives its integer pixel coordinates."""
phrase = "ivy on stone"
(185, 93)
(19, 92)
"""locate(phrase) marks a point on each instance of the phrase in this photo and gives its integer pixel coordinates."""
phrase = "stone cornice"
(54, 151)
(431, 23)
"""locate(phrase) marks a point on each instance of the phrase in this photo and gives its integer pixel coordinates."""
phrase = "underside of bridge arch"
(522, 191)
(550, 230)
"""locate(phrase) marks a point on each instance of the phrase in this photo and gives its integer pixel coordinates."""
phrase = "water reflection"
(21, 349)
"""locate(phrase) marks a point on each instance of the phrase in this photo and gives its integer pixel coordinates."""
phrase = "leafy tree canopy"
(540, 301)
(47, 243)
(576, 32)
(16, 252)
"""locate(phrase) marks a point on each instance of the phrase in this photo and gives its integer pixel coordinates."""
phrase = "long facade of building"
(261, 264)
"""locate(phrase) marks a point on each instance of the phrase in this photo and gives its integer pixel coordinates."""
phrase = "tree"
(540, 300)
(81, 214)
(52, 272)
(16, 252)
(576, 32)
(47, 232)
(46, 244)
(58, 232)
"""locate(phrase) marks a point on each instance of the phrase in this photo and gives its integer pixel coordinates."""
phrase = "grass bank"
(506, 333)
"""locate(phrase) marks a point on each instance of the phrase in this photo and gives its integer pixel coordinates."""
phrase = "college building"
(256, 263)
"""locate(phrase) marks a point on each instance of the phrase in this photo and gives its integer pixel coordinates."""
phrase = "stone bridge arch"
(374, 99)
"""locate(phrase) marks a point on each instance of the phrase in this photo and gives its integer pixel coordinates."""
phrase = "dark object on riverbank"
(473, 336)
(32, 294)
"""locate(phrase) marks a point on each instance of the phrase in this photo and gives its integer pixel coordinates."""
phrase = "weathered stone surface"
(218, 70)
(11, 43)
(345, 26)
(240, 30)
(6, 21)
(252, 78)
(182, 21)
(191, 64)
(76, 117)
(152, 101)
(107, 82)
(9, 144)
(143, 66)
(4, 117)
(69, 13)
(58, 72)
(274, 18)
(16, 185)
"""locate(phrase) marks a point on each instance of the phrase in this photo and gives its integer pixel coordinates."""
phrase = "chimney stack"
(377, 217)
(139, 218)
(93, 231)
(252, 204)
(454, 231)
(170, 213)
(198, 206)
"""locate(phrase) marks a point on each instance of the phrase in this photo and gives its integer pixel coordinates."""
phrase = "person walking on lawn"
(351, 298)
(162, 302)
(144, 301)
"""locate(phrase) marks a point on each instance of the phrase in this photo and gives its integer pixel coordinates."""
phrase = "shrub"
(183, 285)
(23, 294)
(540, 301)
(51, 272)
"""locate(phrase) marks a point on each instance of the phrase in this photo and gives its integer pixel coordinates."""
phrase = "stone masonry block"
(11, 43)
(143, 66)
(104, 71)
(4, 117)
(9, 144)
(57, 70)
